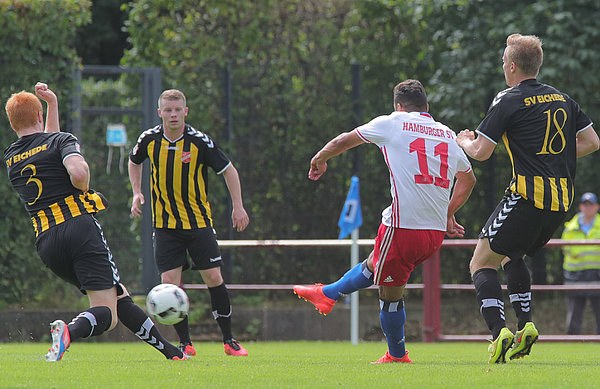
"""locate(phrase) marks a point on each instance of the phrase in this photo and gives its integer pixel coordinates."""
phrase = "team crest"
(186, 157)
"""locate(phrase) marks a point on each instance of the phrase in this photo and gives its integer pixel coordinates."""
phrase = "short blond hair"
(22, 110)
(172, 95)
(526, 52)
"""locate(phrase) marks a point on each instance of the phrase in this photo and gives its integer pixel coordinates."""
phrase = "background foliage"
(290, 62)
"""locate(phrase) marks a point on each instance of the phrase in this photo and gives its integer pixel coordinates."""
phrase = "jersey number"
(560, 115)
(441, 149)
(33, 180)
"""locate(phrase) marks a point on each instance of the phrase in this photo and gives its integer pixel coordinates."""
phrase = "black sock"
(221, 309)
(136, 320)
(489, 297)
(183, 331)
(518, 282)
(91, 322)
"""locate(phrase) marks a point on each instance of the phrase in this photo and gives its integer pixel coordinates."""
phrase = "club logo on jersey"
(186, 157)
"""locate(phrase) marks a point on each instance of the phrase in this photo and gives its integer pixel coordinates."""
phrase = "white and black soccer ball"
(167, 304)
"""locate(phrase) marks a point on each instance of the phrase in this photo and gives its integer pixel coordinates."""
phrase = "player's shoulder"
(150, 133)
(198, 136)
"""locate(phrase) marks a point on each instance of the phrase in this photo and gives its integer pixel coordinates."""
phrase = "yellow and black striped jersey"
(36, 171)
(179, 175)
(538, 125)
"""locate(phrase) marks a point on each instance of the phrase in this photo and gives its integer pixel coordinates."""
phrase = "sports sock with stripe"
(489, 297)
(518, 283)
(136, 320)
(221, 309)
(359, 277)
(91, 322)
(392, 317)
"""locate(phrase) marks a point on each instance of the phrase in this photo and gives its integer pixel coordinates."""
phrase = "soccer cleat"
(187, 348)
(388, 358)
(60, 341)
(314, 294)
(523, 341)
(183, 358)
(233, 347)
(500, 346)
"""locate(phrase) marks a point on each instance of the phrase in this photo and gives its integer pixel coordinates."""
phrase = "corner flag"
(351, 217)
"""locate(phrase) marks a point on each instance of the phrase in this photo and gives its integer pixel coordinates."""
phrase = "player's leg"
(324, 297)
(137, 321)
(518, 282)
(206, 257)
(90, 268)
(171, 259)
(488, 291)
(392, 317)
(175, 277)
(397, 252)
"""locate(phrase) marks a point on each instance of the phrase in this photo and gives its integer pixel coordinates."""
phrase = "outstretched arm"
(239, 216)
(43, 92)
(336, 146)
(479, 149)
(462, 190)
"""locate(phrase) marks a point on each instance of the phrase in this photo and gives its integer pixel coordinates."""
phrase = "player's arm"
(135, 177)
(587, 142)
(465, 181)
(43, 92)
(239, 216)
(79, 171)
(336, 146)
(480, 148)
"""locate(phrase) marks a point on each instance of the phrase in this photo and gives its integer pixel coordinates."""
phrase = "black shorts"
(171, 247)
(77, 252)
(516, 227)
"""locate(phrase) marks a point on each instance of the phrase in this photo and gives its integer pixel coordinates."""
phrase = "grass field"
(298, 365)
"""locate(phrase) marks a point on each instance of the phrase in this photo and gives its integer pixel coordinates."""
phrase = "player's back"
(36, 171)
(423, 158)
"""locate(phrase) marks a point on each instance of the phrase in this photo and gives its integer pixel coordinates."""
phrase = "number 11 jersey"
(538, 125)
(422, 157)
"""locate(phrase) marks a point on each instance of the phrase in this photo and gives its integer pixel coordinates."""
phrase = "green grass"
(298, 365)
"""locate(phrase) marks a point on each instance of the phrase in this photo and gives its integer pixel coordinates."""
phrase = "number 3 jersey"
(538, 125)
(423, 158)
(36, 171)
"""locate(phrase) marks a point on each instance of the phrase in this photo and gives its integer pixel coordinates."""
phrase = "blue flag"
(351, 217)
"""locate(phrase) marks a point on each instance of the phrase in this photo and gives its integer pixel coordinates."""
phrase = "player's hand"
(43, 92)
(240, 219)
(454, 230)
(136, 205)
(465, 136)
(317, 168)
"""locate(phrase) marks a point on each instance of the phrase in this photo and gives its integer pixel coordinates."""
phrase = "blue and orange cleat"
(388, 358)
(61, 340)
(187, 348)
(234, 348)
(314, 294)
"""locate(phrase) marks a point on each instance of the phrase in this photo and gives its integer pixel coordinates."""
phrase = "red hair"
(22, 110)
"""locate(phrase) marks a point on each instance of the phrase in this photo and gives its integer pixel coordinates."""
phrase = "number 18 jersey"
(538, 125)
(422, 157)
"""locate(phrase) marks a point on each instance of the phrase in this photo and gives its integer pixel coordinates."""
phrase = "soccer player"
(544, 132)
(48, 171)
(423, 160)
(180, 156)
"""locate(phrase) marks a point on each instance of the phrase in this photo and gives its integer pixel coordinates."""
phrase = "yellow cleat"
(500, 346)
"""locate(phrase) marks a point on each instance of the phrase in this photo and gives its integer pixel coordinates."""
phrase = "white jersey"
(423, 158)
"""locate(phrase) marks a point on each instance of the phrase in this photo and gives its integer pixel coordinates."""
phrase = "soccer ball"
(167, 304)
